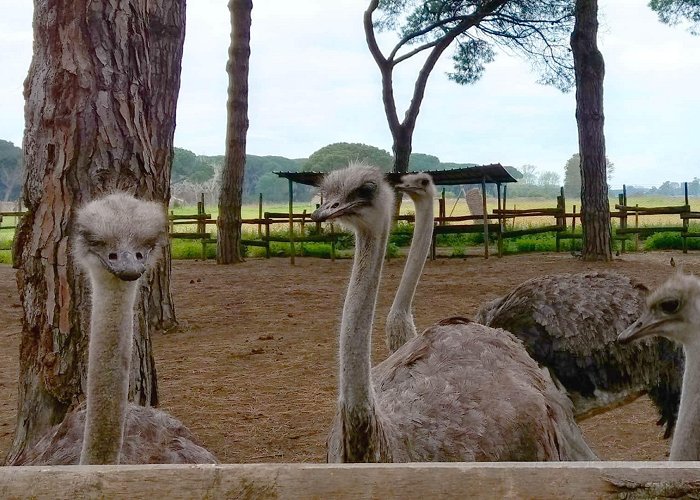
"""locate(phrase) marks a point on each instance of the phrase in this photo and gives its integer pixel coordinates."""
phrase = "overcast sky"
(313, 82)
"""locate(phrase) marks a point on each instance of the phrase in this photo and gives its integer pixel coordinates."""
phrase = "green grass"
(669, 241)
(6, 246)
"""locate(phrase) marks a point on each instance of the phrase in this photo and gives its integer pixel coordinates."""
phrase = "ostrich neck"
(109, 361)
(356, 398)
(686, 438)
(420, 246)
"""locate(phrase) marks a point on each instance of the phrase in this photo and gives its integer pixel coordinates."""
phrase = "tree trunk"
(228, 247)
(166, 31)
(590, 71)
(92, 113)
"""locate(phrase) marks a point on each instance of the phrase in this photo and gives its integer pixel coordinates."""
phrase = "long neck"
(686, 438)
(109, 360)
(356, 397)
(400, 326)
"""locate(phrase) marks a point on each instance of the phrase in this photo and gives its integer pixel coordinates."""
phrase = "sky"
(313, 82)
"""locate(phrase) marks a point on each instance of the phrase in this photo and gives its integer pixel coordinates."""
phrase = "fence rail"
(357, 481)
(493, 225)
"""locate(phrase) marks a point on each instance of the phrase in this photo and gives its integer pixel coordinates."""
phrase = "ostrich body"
(457, 392)
(569, 323)
(673, 311)
(113, 242)
(399, 323)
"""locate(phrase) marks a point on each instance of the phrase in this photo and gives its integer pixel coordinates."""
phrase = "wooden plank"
(532, 230)
(649, 230)
(357, 481)
(463, 228)
(190, 236)
(528, 212)
(253, 243)
(320, 238)
(197, 217)
(654, 210)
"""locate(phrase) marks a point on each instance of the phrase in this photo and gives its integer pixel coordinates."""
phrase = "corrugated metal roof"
(494, 173)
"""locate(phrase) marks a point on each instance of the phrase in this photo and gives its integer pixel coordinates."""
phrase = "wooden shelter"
(494, 173)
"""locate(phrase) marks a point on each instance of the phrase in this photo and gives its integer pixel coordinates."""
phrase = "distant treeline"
(194, 174)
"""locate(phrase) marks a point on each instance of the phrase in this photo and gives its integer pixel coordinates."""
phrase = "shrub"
(669, 241)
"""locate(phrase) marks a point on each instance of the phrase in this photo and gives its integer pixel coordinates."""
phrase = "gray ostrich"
(399, 323)
(457, 392)
(113, 242)
(673, 311)
(569, 323)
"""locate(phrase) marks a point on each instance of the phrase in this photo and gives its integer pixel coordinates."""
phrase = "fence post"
(636, 226)
(267, 237)
(685, 221)
(623, 216)
(485, 218)
(500, 221)
(260, 214)
(291, 222)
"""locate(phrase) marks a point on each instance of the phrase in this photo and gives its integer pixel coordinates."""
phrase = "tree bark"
(93, 110)
(166, 31)
(589, 68)
(228, 247)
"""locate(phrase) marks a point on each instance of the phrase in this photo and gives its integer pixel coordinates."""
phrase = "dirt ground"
(252, 368)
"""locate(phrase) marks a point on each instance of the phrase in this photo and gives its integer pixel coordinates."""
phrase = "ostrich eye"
(366, 191)
(670, 306)
(91, 239)
(424, 182)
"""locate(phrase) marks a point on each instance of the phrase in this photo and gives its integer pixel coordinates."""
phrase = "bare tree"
(590, 71)
(534, 28)
(99, 115)
(228, 247)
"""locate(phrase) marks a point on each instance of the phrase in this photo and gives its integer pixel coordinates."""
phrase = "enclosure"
(252, 368)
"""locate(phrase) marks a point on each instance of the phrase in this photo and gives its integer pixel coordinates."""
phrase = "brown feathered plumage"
(569, 323)
(151, 437)
(461, 391)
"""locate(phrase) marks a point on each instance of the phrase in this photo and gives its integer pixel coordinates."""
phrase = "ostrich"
(458, 392)
(673, 311)
(399, 323)
(114, 241)
(569, 324)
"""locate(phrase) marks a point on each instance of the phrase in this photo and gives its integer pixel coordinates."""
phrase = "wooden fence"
(492, 226)
(553, 480)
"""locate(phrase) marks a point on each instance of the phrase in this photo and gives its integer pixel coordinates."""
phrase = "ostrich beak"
(333, 209)
(126, 266)
(645, 326)
(407, 188)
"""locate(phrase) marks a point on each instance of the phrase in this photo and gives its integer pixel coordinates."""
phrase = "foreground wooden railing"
(418, 480)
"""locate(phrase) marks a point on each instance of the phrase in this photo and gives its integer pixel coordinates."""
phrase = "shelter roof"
(494, 173)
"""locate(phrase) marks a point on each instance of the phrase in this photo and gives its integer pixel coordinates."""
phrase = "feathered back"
(461, 391)
(569, 323)
(152, 437)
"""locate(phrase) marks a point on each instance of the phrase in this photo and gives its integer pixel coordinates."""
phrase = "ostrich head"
(117, 234)
(358, 196)
(418, 186)
(672, 311)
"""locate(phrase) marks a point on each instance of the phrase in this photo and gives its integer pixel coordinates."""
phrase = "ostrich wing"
(569, 323)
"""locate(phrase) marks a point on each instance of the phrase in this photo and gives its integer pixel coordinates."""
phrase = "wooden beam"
(416, 480)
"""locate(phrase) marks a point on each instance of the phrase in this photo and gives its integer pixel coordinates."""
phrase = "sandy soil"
(252, 369)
